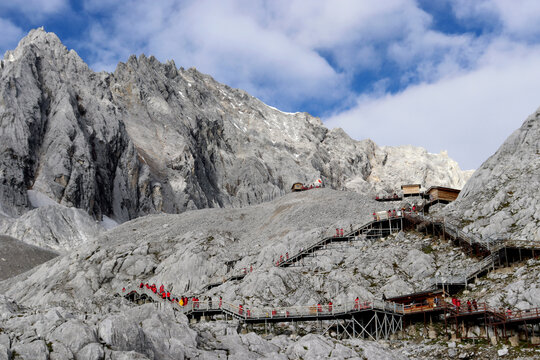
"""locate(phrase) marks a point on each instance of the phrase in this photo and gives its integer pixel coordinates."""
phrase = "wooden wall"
(443, 194)
(410, 189)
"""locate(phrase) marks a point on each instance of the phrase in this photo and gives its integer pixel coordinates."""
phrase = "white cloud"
(469, 114)
(294, 52)
(35, 10)
(285, 52)
(11, 34)
(518, 18)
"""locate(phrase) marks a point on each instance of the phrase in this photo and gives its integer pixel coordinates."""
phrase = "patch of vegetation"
(50, 347)
(427, 249)
(504, 205)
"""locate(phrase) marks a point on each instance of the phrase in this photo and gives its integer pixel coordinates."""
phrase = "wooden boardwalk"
(378, 319)
(375, 319)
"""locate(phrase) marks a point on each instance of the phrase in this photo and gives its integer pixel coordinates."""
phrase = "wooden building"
(410, 190)
(298, 187)
(442, 194)
(421, 301)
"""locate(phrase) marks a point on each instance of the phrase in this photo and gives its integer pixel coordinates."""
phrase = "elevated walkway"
(372, 230)
(379, 319)
(375, 319)
(389, 198)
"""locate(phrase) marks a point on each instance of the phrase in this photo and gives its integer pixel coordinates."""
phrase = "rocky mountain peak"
(501, 198)
(152, 138)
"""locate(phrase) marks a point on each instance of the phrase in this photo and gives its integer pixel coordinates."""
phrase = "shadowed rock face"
(152, 138)
(62, 136)
(17, 257)
(502, 196)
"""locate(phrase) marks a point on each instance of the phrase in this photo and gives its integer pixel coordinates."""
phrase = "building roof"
(419, 185)
(418, 296)
(443, 188)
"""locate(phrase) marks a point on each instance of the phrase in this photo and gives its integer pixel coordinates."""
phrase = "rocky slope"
(68, 305)
(152, 138)
(502, 199)
(17, 257)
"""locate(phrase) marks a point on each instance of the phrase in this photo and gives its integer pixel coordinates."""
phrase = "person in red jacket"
(163, 295)
(356, 303)
(161, 289)
(168, 295)
(330, 307)
(141, 286)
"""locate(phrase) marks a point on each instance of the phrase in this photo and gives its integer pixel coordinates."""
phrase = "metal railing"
(362, 230)
(297, 312)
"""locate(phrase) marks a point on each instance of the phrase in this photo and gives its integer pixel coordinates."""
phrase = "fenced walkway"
(378, 319)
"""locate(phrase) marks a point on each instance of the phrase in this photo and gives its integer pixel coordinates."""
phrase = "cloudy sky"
(455, 75)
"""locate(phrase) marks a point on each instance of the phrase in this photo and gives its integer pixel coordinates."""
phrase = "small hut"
(422, 297)
(298, 187)
(442, 194)
(431, 300)
(410, 190)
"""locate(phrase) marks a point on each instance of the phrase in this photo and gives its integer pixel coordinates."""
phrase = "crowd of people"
(392, 213)
(470, 304)
(166, 295)
(282, 259)
(393, 197)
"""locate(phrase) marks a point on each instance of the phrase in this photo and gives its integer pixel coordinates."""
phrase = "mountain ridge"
(151, 138)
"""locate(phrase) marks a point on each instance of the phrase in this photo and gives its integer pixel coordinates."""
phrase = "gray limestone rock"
(35, 350)
(17, 257)
(502, 199)
(54, 227)
(152, 138)
(75, 334)
(4, 352)
(93, 351)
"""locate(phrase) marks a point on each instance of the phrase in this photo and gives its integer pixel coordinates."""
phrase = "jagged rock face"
(502, 197)
(152, 138)
(61, 134)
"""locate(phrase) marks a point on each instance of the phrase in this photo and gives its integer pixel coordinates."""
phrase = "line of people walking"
(471, 305)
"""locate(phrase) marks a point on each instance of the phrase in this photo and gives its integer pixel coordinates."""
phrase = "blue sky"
(455, 75)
